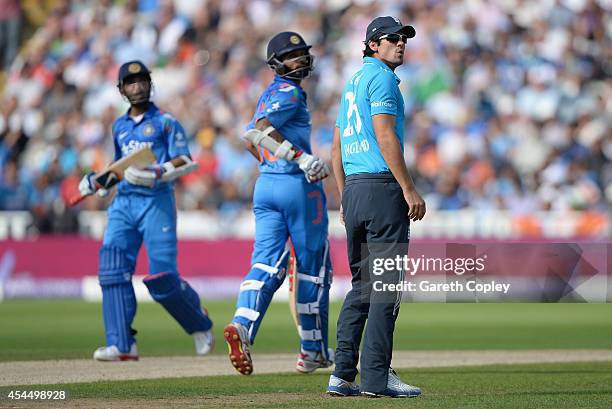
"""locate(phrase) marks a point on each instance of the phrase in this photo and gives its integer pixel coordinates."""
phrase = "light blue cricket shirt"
(371, 90)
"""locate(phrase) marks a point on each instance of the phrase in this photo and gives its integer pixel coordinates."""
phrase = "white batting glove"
(313, 167)
(145, 176)
(86, 186)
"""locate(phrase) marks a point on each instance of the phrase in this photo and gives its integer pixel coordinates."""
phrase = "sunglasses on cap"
(394, 38)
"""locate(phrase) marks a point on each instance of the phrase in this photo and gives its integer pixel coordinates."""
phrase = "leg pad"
(180, 300)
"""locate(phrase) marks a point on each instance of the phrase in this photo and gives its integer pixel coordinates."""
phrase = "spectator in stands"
(10, 31)
(510, 104)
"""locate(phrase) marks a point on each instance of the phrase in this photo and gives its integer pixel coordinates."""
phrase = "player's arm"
(266, 136)
(337, 161)
(165, 172)
(261, 125)
(337, 167)
(90, 184)
(180, 164)
(384, 128)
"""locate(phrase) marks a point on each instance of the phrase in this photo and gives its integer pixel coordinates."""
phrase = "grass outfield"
(555, 386)
(33, 330)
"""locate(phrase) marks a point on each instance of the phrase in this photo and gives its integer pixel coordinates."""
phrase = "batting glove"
(87, 186)
(145, 176)
(314, 168)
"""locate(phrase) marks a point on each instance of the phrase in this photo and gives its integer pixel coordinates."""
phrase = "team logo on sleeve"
(180, 140)
(148, 130)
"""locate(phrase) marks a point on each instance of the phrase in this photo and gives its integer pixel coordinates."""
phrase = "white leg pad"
(247, 313)
(315, 280)
(268, 269)
(308, 308)
(310, 335)
(251, 285)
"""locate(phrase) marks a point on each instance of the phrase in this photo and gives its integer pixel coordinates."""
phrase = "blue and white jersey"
(283, 103)
(157, 130)
(370, 91)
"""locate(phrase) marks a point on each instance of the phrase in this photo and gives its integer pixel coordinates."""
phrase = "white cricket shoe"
(340, 387)
(112, 353)
(310, 361)
(204, 342)
(395, 388)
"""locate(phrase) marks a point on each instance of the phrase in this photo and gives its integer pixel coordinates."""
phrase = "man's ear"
(373, 45)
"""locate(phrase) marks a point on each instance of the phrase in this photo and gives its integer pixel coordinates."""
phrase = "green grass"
(555, 386)
(50, 329)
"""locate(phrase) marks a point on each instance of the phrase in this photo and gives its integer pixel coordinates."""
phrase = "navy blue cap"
(133, 68)
(387, 25)
(284, 43)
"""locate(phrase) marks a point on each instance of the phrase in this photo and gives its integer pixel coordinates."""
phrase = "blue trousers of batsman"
(133, 219)
(287, 206)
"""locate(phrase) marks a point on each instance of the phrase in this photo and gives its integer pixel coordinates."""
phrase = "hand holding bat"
(113, 174)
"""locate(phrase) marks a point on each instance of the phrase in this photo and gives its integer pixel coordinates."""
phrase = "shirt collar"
(278, 78)
(376, 62)
(151, 110)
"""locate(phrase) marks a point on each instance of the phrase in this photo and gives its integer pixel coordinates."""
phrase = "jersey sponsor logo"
(133, 146)
(377, 104)
(357, 147)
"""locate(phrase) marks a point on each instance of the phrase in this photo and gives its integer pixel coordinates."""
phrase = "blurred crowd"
(508, 102)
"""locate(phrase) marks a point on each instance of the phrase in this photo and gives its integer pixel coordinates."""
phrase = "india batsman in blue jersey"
(288, 202)
(144, 210)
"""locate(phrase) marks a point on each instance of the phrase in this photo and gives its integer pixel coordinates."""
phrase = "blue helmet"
(284, 43)
(130, 69)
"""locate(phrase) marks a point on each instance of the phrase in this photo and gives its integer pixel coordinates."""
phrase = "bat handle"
(75, 200)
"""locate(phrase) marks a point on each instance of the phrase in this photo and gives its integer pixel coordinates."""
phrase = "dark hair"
(368, 52)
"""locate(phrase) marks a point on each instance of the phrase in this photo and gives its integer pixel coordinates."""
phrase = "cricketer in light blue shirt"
(370, 91)
(158, 130)
(283, 103)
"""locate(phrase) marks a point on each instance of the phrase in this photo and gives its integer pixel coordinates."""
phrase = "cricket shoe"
(112, 353)
(204, 340)
(237, 338)
(309, 361)
(395, 388)
(340, 387)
